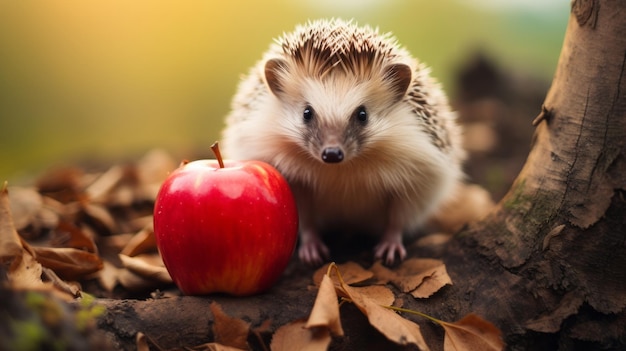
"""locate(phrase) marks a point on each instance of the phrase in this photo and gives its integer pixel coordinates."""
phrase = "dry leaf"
(132, 281)
(61, 184)
(101, 216)
(147, 266)
(26, 203)
(229, 331)
(115, 243)
(108, 276)
(393, 326)
(471, 333)
(325, 312)
(68, 263)
(382, 295)
(142, 242)
(152, 169)
(139, 223)
(351, 273)
(421, 277)
(411, 273)
(10, 244)
(99, 190)
(25, 272)
(49, 216)
(382, 274)
(122, 196)
(471, 203)
(294, 336)
(432, 283)
(69, 235)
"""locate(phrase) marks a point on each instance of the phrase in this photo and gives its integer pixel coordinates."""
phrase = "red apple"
(229, 229)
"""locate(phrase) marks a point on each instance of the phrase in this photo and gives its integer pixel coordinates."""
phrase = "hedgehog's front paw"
(389, 246)
(312, 250)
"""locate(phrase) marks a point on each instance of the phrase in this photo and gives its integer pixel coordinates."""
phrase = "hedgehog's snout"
(332, 154)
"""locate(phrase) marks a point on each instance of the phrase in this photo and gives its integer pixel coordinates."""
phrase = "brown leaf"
(100, 189)
(471, 204)
(149, 266)
(26, 203)
(152, 169)
(294, 336)
(382, 274)
(123, 195)
(421, 277)
(10, 244)
(351, 273)
(142, 242)
(69, 235)
(132, 281)
(396, 328)
(114, 243)
(61, 184)
(68, 263)
(325, 312)
(382, 295)
(101, 216)
(25, 272)
(229, 331)
(108, 276)
(432, 283)
(139, 223)
(471, 333)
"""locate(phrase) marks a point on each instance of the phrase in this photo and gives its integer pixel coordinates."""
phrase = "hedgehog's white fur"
(399, 166)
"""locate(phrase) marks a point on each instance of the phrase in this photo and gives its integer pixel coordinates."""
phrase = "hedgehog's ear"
(399, 78)
(275, 70)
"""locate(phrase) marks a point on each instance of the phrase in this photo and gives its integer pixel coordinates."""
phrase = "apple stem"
(218, 155)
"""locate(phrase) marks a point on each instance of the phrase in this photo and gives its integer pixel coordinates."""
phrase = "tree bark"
(548, 265)
(553, 254)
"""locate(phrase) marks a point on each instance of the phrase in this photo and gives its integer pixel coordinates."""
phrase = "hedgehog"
(363, 135)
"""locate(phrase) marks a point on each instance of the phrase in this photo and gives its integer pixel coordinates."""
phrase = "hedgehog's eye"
(307, 114)
(361, 114)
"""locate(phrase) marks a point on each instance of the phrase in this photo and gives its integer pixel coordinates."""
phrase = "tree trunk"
(548, 266)
(553, 254)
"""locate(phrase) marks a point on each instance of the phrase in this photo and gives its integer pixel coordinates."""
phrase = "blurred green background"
(109, 79)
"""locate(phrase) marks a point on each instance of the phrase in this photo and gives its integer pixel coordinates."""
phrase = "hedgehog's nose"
(332, 155)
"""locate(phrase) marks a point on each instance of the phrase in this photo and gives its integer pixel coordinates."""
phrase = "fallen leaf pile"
(75, 227)
(376, 303)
